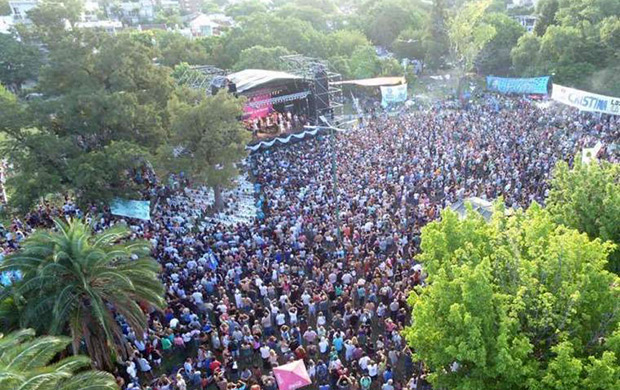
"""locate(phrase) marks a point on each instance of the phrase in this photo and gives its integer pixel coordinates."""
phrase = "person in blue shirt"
(338, 342)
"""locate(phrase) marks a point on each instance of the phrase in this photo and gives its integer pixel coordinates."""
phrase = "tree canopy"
(516, 303)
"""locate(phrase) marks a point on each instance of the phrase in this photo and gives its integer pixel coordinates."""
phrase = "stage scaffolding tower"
(328, 95)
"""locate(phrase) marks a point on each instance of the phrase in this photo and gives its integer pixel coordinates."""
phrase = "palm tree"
(75, 281)
(25, 365)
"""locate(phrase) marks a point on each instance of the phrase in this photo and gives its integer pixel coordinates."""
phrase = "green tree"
(545, 10)
(587, 198)
(436, 40)
(246, 8)
(468, 34)
(5, 8)
(411, 44)
(364, 63)
(260, 57)
(27, 363)
(515, 303)
(212, 138)
(19, 62)
(388, 18)
(102, 110)
(494, 58)
(525, 55)
(344, 42)
(72, 278)
(175, 48)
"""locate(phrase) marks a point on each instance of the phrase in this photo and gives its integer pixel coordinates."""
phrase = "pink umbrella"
(292, 376)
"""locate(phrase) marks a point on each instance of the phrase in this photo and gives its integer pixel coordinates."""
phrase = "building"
(190, 6)
(109, 26)
(527, 21)
(202, 25)
(132, 11)
(20, 8)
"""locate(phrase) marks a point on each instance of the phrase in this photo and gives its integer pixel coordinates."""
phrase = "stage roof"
(374, 82)
(252, 78)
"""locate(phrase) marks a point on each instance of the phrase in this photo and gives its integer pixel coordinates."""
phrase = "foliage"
(579, 44)
(19, 62)
(469, 33)
(213, 139)
(436, 40)
(515, 303)
(260, 57)
(525, 54)
(102, 110)
(174, 48)
(545, 10)
(364, 63)
(75, 282)
(388, 18)
(494, 58)
(28, 363)
(5, 8)
(587, 198)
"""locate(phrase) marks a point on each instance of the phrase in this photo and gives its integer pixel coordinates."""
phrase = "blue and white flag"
(586, 101)
(536, 85)
(140, 209)
(393, 94)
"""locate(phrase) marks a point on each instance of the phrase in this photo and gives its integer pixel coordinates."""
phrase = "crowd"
(323, 276)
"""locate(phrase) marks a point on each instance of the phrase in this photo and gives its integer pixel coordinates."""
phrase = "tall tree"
(545, 10)
(494, 58)
(102, 109)
(27, 363)
(515, 303)
(260, 57)
(211, 136)
(75, 281)
(19, 62)
(436, 40)
(587, 198)
(468, 33)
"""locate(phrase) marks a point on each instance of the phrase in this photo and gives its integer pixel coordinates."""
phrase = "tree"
(411, 44)
(27, 363)
(525, 55)
(436, 40)
(19, 62)
(494, 58)
(212, 138)
(260, 57)
(364, 63)
(102, 110)
(75, 282)
(545, 10)
(175, 48)
(587, 198)
(245, 8)
(468, 33)
(388, 18)
(515, 303)
(344, 42)
(5, 8)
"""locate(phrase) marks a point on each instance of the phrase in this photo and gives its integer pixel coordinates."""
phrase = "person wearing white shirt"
(363, 362)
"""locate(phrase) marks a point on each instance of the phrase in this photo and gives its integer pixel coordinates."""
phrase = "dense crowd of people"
(324, 275)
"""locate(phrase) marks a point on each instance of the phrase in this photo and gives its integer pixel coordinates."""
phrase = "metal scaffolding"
(325, 94)
(200, 76)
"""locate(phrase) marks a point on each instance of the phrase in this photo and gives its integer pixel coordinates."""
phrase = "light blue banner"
(393, 94)
(140, 209)
(537, 85)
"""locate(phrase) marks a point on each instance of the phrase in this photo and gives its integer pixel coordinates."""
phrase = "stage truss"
(200, 76)
(325, 94)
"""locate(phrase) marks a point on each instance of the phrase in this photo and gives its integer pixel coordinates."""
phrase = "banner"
(586, 101)
(287, 139)
(140, 209)
(537, 85)
(251, 110)
(393, 94)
